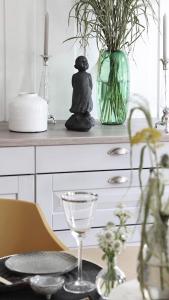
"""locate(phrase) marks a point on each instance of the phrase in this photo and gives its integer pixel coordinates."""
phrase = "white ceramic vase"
(28, 112)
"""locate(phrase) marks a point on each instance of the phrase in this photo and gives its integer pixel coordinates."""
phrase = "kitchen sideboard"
(41, 166)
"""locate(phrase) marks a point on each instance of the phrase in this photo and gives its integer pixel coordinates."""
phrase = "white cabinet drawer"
(101, 217)
(94, 180)
(109, 195)
(67, 238)
(50, 187)
(17, 160)
(107, 199)
(70, 158)
(91, 236)
(17, 187)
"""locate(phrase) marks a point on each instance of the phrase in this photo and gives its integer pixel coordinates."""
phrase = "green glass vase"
(113, 87)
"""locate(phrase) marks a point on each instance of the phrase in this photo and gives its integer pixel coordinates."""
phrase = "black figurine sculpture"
(82, 104)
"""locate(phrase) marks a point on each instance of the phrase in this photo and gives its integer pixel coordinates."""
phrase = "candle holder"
(44, 86)
(164, 121)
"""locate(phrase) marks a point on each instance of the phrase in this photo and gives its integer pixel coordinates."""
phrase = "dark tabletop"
(22, 291)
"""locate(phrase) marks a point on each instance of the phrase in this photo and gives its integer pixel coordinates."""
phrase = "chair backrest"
(23, 228)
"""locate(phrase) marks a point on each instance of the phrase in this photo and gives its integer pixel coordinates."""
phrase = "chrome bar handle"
(118, 180)
(118, 151)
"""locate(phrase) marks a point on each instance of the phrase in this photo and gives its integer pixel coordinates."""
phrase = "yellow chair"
(23, 228)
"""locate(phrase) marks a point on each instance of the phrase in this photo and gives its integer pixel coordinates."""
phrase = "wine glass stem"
(80, 245)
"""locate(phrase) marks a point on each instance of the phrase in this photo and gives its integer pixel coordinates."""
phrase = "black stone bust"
(82, 104)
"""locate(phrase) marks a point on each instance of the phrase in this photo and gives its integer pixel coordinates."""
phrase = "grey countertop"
(58, 135)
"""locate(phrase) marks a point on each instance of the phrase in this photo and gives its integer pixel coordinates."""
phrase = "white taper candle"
(164, 37)
(46, 34)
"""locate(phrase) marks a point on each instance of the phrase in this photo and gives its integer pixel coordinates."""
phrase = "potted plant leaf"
(116, 25)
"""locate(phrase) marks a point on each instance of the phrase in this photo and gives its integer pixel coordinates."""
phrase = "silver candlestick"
(44, 86)
(164, 121)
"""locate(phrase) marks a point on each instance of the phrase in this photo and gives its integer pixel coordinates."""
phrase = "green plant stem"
(114, 92)
(111, 274)
(151, 204)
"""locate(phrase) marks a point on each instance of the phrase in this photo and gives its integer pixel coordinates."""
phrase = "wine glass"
(79, 208)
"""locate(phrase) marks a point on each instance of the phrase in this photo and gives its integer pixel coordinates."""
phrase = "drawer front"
(8, 186)
(85, 158)
(109, 195)
(101, 217)
(108, 199)
(17, 160)
(91, 236)
(94, 180)
(17, 187)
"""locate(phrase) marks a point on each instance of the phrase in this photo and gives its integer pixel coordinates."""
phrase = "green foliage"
(115, 24)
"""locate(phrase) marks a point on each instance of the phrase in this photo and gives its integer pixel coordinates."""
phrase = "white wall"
(164, 8)
(144, 68)
(21, 44)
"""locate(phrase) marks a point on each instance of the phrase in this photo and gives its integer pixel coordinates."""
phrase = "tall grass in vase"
(115, 25)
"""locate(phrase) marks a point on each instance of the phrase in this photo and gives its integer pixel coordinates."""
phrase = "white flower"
(109, 235)
(118, 245)
(112, 238)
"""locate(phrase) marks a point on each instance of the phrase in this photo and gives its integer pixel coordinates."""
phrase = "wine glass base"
(79, 287)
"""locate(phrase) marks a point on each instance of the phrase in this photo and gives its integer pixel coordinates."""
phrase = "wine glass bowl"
(79, 208)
